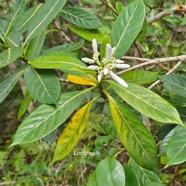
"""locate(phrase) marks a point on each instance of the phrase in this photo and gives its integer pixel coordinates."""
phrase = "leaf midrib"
(37, 8)
(177, 85)
(54, 112)
(128, 24)
(76, 17)
(40, 22)
(77, 129)
(18, 74)
(42, 83)
(132, 132)
(35, 64)
(178, 153)
(9, 26)
(143, 100)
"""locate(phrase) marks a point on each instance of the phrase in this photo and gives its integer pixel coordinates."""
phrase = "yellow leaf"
(80, 80)
(72, 132)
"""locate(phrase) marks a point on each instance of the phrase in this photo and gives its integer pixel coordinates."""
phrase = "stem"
(169, 72)
(154, 61)
(109, 5)
(159, 16)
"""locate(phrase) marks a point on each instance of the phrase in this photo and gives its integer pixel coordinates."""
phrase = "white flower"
(107, 64)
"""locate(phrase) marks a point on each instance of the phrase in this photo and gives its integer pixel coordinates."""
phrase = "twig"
(169, 72)
(130, 58)
(8, 183)
(159, 16)
(58, 26)
(155, 61)
(175, 175)
(178, 9)
(63, 80)
(109, 6)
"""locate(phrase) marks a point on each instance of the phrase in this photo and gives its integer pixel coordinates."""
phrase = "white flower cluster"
(107, 64)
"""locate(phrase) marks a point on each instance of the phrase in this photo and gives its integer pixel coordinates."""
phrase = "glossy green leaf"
(24, 21)
(10, 55)
(18, 8)
(8, 84)
(150, 3)
(127, 27)
(42, 85)
(89, 35)
(175, 84)
(24, 104)
(68, 47)
(147, 102)
(11, 39)
(134, 135)
(81, 18)
(130, 177)
(92, 180)
(34, 47)
(49, 139)
(47, 118)
(164, 130)
(144, 176)
(43, 17)
(72, 133)
(164, 143)
(140, 77)
(65, 63)
(176, 148)
(110, 172)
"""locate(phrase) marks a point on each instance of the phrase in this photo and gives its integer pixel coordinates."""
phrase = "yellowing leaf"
(134, 135)
(72, 133)
(80, 80)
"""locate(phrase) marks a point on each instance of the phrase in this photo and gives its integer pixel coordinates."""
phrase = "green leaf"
(24, 21)
(13, 38)
(33, 49)
(8, 84)
(140, 77)
(110, 172)
(163, 145)
(130, 176)
(47, 118)
(49, 139)
(81, 18)
(24, 104)
(134, 135)
(72, 132)
(175, 84)
(89, 35)
(18, 8)
(176, 148)
(147, 102)
(150, 3)
(42, 85)
(127, 27)
(92, 180)
(68, 47)
(65, 63)
(144, 176)
(105, 41)
(10, 55)
(43, 17)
